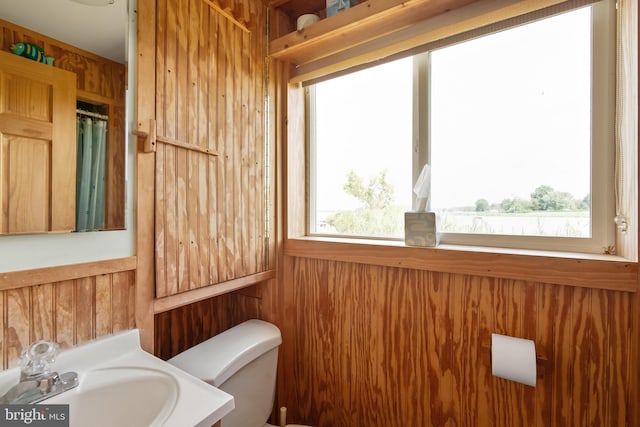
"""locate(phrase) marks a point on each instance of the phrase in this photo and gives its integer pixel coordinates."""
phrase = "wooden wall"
(371, 345)
(70, 311)
(182, 328)
(366, 345)
(211, 218)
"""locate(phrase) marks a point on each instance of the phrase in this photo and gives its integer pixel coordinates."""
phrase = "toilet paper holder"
(515, 359)
(541, 359)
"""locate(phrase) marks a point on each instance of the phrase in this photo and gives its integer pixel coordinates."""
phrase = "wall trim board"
(145, 167)
(161, 305)
(24, 278)
(562, 269)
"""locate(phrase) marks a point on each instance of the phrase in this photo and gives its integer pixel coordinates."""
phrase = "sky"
(488, 97)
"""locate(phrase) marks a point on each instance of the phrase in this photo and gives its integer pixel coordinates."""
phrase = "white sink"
(120, 384)
(136, 396)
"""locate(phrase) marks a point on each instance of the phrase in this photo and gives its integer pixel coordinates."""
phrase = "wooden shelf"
(359, 24)
(378, 29)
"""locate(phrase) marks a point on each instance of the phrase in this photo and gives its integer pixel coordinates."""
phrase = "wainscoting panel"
(68, 312)
(370, 346)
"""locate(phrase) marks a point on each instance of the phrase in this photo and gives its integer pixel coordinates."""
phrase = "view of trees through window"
(509, 137)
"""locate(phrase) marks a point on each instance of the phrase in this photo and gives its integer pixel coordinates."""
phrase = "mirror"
(100, 30)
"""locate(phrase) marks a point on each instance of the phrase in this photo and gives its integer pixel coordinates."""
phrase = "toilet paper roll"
(513, 359)
(306, 20)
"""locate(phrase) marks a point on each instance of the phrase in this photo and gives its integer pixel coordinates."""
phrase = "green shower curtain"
(91, 151)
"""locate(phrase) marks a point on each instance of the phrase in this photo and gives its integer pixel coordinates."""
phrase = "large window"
(517, 126)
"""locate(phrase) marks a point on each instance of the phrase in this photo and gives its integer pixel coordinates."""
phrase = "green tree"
(377, 215)
(482, 205)
(585, 203)
(515, 205)
(545, 198)
(376, 194)
(542, 198)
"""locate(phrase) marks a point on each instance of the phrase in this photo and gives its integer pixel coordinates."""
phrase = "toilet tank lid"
(219, 357)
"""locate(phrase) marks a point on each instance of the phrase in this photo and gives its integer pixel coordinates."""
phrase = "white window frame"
(602, 155)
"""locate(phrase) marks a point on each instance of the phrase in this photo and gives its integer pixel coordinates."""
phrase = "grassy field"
(538, 223)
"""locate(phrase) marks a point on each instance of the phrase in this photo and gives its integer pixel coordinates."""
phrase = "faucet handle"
(38, 358)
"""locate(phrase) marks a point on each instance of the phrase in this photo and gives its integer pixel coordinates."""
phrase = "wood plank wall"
(182, 328)
(210, 92)
(367, 345)
(99, 80)
(68, 312)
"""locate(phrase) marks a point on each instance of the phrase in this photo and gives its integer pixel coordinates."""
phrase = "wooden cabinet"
(37, 147)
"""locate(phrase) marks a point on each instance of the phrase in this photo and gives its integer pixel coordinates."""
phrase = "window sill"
(561, 268)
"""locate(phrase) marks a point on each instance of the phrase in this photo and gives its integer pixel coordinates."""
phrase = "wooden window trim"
(562, 268)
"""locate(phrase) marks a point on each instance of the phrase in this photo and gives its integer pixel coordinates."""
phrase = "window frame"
(602, 159)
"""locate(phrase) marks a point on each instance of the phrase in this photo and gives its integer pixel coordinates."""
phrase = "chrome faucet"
(37, 380)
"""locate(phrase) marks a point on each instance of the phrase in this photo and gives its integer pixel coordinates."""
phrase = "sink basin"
(122, 385)
(136, 396)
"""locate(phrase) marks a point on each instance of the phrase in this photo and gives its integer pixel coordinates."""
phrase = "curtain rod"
(90, 114)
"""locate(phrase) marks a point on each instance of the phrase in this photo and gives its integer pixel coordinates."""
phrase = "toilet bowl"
(242, 361)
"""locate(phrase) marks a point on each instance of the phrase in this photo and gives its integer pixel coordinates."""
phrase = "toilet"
(241, 361)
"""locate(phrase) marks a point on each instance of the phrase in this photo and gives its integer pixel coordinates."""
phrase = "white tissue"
(423, 188)
(513, 359)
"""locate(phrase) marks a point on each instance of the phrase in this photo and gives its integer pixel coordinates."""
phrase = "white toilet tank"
(241, 361)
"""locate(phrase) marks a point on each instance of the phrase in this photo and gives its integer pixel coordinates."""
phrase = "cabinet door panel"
(37, 147)
(28, 183)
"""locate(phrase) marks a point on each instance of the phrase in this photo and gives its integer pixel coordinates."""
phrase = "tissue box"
(420, 228)
(335, 6)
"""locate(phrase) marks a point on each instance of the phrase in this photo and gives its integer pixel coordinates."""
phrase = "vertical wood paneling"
(466, 342)
(184, 327)
(69, 312)
(381, 346)
(223, 188)
(17, 330)
(65, 320)
(230, 190)
(161, 206)
(85, 309)
(598, 354)
(123, 292)
(104, 315)
(210, 212)
(581, 308)
(618, 386)
(210, 76)
(181, 132)
(42, 310)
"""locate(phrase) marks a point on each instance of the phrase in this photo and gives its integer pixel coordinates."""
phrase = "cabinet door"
(37, 147)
